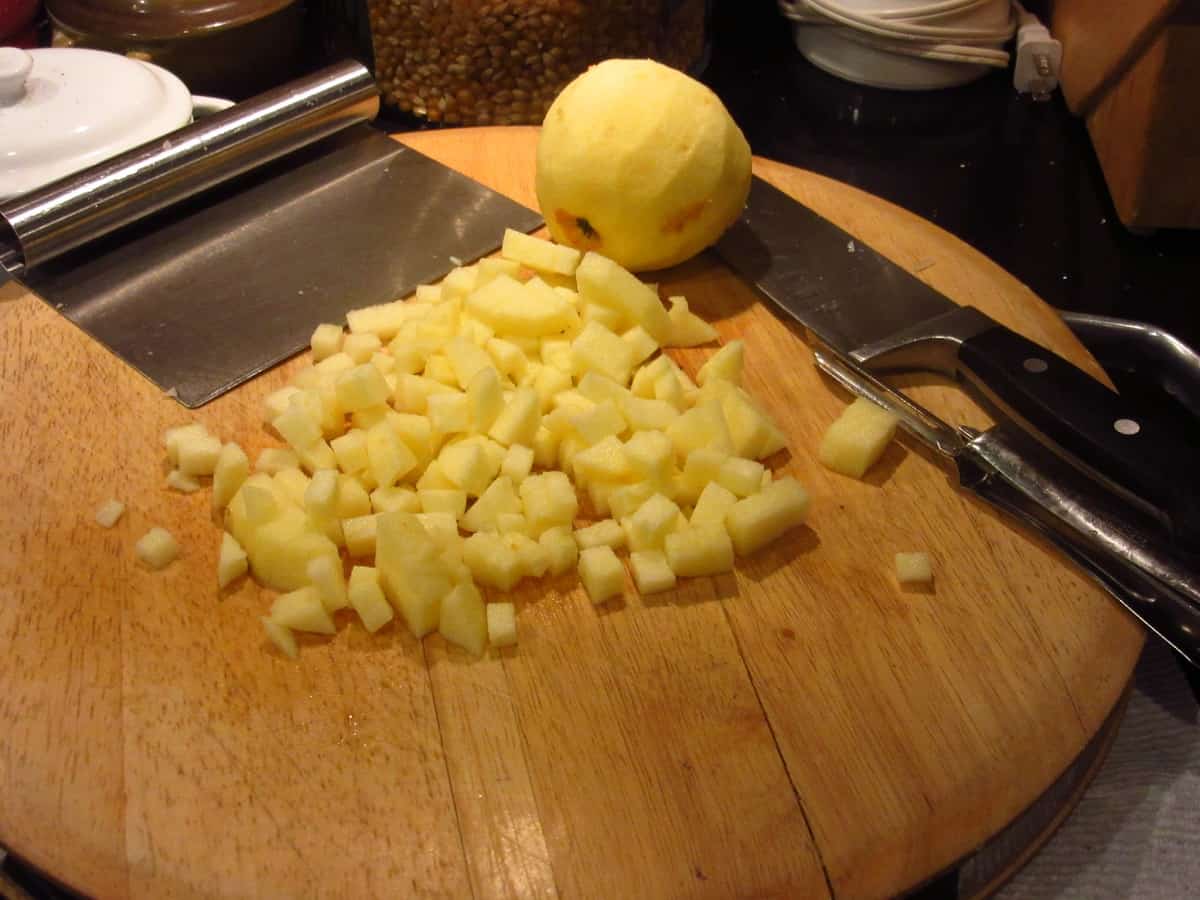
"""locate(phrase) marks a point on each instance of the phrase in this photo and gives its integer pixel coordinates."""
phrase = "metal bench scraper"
(208, 256)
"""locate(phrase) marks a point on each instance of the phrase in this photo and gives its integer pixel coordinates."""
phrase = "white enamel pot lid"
(64, 109)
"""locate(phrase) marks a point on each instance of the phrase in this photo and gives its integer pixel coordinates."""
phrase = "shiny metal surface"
(822, 276)
(1119, 548)
(1123, 343)
(72, 211)
(205, 295)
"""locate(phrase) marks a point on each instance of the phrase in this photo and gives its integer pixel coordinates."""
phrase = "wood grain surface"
(800, 728)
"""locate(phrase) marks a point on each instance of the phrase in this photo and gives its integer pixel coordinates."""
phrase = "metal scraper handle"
(1145, 458)
(48, 222)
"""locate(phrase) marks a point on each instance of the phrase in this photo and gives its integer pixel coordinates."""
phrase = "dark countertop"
(1016, 179)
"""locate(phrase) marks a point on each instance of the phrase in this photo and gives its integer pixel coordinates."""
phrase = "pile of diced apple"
(445, 442)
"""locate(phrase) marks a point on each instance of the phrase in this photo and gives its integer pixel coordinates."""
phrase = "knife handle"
(1147, 456)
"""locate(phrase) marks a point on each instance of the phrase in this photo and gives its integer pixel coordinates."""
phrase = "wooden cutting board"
(799, 728)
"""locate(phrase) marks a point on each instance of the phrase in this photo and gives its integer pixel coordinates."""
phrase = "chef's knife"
(869, 309)
(1019, 477)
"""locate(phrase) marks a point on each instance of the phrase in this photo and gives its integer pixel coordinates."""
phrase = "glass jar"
(502, 62)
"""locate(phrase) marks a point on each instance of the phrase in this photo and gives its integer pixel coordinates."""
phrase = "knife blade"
(880, 316)
(1008, 470)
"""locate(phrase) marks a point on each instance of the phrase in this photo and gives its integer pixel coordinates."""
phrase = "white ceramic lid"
(64, 109)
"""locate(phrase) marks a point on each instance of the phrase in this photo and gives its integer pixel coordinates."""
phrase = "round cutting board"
(797, 728)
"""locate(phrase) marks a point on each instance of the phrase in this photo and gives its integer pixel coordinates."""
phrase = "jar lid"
(157, 19)
(64, 109)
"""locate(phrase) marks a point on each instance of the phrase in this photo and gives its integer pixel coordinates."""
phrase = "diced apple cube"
(532, 557)
(606, 533)
(383, 319)
(700, 427)
(499, 497)
(327, 577)
(602, 281)
(549, 382)
(624, 500)
(651, 572)
(185, 484)
(715, 501)
(561, 549)
(605, 461)
(509, 523)
(359, 534)
(508, 357)
(450, 413)
(650, 454)
(492, 561)
(389, 458)
(360, 347)
(703, 465)
(485, 398)
(640, 341)
(281, 637)
(275, 459)
(856, 440)
(493, 266)
(231, 470)
(687, 328)
(173, 436)
(513, 309)
(302, 610)
(649, 415)
(649, 526)
(501, 624)
(758, 520)
(157, 548)
(335, 364)
(350, 451)
(914, 568)
(601, 421)
(321, 495)
(433, 479)
(316, 456)
(612, 319)
(395, 498)
(109, 512)
(545, 447)
(197, 453)
(539, 254)
(517, 464)
(518, 423)
(699, 550)
(452, 502)
(467, 359)
(596, 348)
(741, 476)
(384, 362)
(412, 576)
(326, 340)
(361, 387)
(548, 500)
(231, 562)
(602, 574)
(459, 282)
(726, 364)
(466, 466)
(353, 499)
(282, 549)
(365, 594)
(463, 621)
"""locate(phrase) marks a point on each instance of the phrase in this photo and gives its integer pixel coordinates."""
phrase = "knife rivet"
(1126, 426)
(1035, 366)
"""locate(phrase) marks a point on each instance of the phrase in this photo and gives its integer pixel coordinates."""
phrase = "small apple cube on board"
(466, 465)
(326, 340)
(281, 637)
(539, 254)
(444, 501)
(726, 364)
(275, 459)
(598, 349)
(605, 282)
(231, 563)
(492, 561)
(109, 512)
(700, 427)
(651, 572)
(605, 533)
(715, 501)
(231, 470)
(387, 499)
(498, 498)
(511, 310)
(365, 594)
(518, 422)
(758, 520)
(699, 550)
(518, 463)
(157, 548)
(687, 328)
(856, 440)
(914, 568)
(548, 499)
(185, 484)
(302, 610)
(501, 624)
(463, 621)
(350, 451)
(327, 577)
(649, 526)
(640, 341)
(604, 461)
(561, 549)
(602, 574)
(198, 453)
(389, 458)
(741, 476)
(361, 387)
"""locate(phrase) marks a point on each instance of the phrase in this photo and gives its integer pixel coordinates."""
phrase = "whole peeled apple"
(640, 163)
